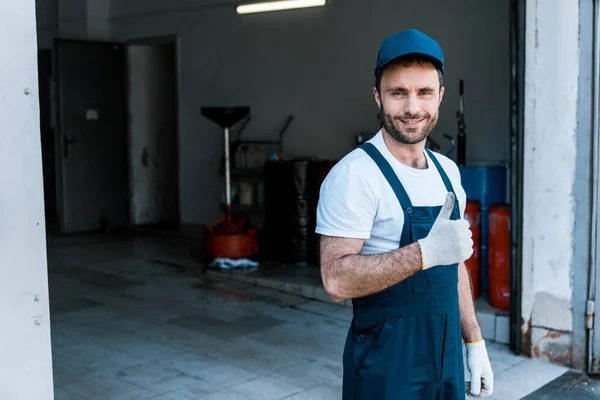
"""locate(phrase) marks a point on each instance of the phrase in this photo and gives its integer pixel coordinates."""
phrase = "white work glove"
(482, 377)
(449, 242)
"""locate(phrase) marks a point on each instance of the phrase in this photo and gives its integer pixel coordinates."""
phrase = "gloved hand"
(482, 377)
(448, 242)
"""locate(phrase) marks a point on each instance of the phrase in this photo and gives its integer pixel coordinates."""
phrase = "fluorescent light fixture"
(278, 5)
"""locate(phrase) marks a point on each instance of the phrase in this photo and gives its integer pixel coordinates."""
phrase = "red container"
(230, 245)
(227, 239)
(499, 267)
(473, 215)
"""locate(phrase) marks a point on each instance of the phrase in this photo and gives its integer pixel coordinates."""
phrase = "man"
(394, 241)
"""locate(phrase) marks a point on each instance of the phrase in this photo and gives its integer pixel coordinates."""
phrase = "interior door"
(153, 148)
(92, 135)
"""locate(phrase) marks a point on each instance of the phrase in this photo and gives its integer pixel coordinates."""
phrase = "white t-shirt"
(356, 201)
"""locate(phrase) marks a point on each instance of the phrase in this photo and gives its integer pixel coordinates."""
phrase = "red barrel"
(499, 267)
(473, 215)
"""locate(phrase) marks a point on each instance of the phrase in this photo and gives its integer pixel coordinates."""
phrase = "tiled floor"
(569, 386)
(305, 281)
(133, 318)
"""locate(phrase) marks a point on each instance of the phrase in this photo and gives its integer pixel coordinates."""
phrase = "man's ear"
(441, 95)
(377, 97)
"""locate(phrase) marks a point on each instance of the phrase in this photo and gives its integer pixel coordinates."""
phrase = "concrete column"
(25, 353)
(556, 158)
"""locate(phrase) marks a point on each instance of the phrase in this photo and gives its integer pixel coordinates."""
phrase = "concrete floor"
(133, 317)
(569, 386)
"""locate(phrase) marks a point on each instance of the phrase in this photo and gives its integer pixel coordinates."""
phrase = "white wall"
(318, 65)
(152, 134)
(25, 355)
(552, 72)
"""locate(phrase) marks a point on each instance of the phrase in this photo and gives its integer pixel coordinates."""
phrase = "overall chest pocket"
(434, 278)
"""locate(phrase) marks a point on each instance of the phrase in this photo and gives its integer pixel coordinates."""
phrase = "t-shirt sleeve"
(347, 205)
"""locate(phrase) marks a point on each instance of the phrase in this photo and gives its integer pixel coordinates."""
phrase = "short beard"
(404, 137)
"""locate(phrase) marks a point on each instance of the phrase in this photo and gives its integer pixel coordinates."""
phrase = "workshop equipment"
(239, 145)
(432, 145)
(473, 215)
(300, 241)
(228, 238)
(291, 197)
(317, 172)
(461, 148)
(499, 269)
(287, 215)
(280, 212)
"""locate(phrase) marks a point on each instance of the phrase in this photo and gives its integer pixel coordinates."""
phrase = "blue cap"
(409, 42)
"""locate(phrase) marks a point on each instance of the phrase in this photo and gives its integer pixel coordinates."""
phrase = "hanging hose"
(461, 152)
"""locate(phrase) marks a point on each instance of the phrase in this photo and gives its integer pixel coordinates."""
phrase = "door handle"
(66, 142)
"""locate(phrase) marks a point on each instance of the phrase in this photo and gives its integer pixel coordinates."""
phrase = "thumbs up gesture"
(448, 242)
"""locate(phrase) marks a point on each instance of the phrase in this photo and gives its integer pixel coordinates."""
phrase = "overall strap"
(445, 178)
(389, 174)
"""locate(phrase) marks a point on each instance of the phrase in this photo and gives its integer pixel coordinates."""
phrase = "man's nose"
(411, 106)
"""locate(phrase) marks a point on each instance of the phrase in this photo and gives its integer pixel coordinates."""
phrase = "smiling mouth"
(412, 122)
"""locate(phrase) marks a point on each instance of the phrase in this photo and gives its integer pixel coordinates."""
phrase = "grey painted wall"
(318, 65)
(73, 19)
(152, 134)
(46, 14)
(98, 18)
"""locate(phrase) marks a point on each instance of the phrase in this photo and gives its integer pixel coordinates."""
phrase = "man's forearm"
(471, 330)
(353, 276)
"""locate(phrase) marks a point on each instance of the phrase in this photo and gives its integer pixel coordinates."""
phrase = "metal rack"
(253, 175)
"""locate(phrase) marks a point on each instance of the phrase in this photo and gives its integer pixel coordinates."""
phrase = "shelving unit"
(248, 169)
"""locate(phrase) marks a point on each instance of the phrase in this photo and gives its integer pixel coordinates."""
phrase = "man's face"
(409, 101)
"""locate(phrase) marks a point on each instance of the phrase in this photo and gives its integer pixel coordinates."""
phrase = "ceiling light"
(278, 5)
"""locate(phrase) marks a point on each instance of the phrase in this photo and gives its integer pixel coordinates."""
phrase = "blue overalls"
(404, 342)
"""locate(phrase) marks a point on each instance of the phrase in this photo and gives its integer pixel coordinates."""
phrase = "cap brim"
(436, 62)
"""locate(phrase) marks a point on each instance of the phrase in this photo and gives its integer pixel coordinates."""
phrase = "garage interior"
(135, 181)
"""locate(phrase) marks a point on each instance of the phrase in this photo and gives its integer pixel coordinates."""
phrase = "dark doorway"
(517, 109)
(47, 138)
(115, 148)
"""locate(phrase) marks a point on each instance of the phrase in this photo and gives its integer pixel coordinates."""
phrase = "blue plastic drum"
(486, 184)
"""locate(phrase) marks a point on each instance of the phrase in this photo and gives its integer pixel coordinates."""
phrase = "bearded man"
(394, 240)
